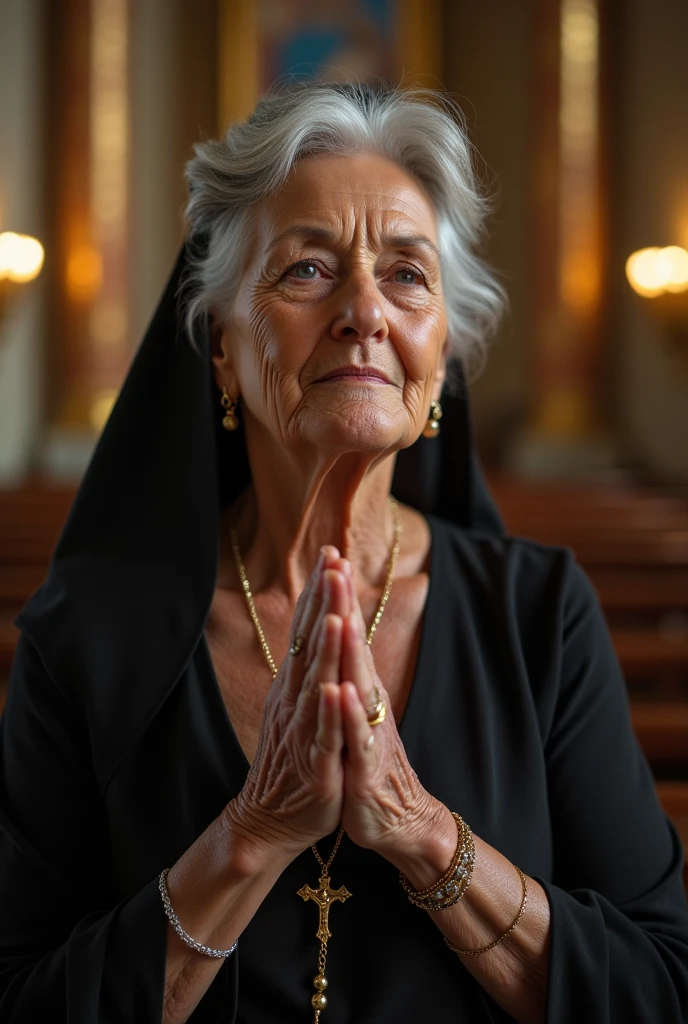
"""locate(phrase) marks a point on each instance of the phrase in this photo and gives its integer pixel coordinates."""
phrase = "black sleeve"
(68, 952)
(619, 921)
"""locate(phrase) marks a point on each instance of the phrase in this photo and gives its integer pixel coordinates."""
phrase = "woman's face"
(343, 276)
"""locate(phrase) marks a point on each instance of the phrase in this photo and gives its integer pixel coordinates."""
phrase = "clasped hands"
(318, 761)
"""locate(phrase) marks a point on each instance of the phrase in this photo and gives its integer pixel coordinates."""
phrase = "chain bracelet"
(491, 945)
(184, 936)
(452, 886)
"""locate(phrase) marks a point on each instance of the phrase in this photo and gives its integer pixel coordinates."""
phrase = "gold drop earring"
(230, 420)
(432, 427)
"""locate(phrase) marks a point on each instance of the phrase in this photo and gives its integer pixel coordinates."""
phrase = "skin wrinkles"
(310, 232)
(371, 294)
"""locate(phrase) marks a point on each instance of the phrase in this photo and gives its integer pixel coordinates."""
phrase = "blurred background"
(578, 112)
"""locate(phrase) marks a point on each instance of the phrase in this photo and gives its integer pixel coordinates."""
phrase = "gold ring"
(296, 646)
(378, 714)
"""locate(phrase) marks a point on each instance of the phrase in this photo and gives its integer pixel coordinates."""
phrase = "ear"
(441, 371)
(221, 356)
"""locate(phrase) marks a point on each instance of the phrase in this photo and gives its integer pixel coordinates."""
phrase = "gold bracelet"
(484, 949)
(454, 882)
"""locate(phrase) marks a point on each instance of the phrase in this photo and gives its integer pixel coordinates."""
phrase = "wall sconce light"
(660, 276)
(21, 259)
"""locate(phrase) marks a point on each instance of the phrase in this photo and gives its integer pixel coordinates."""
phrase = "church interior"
(578, 114)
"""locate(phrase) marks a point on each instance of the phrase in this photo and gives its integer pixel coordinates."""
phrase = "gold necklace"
(324, 895)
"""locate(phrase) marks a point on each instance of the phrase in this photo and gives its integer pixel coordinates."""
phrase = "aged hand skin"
(384, 807)
(293, 793)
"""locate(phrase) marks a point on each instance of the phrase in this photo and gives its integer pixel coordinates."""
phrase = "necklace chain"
(326, 866)
(386, 590)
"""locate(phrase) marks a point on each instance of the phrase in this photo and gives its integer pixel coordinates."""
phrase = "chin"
(356, 426)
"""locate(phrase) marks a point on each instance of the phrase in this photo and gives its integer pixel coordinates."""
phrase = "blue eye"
(305, 271)
(410, 276)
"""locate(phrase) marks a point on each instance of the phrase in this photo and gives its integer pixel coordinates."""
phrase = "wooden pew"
(634, 545)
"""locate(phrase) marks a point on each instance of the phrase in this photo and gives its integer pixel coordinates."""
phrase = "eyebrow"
(390, 241)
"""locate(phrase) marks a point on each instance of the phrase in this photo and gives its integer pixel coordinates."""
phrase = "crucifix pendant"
(324, 896)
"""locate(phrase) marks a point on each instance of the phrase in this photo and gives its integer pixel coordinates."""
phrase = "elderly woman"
(277, 743)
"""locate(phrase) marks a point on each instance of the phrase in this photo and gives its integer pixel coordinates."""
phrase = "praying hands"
(318, 758)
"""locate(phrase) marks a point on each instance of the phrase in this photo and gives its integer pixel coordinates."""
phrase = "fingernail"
(347, 568)
(369, 742)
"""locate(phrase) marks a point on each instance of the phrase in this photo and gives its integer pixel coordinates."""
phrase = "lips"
(367, 372)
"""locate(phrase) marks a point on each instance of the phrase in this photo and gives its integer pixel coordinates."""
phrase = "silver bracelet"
(184, 936)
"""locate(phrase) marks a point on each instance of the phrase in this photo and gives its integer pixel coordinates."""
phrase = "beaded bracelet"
(491, 945)
(184, 936)
(454, 882)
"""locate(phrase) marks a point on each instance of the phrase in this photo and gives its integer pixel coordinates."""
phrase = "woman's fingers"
(310, 601)
(324, 669)
(357, 665)
(359, 737)
(325, 666)
(334, 600)
(355, 607)
(308, 611)
(312, 731)
(326, 748)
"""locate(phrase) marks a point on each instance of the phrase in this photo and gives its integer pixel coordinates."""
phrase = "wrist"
(425, 850)
(251, 850)
(217, 884)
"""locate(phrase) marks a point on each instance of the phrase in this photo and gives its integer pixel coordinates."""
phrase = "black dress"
(517, 717)
(116, 753)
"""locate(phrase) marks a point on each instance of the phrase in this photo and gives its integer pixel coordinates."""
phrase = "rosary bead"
(318, 1001)
(320, 982)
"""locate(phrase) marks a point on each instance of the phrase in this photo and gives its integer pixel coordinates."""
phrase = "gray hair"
(421, 131)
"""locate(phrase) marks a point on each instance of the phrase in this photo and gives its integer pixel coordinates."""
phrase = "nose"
(359, 315)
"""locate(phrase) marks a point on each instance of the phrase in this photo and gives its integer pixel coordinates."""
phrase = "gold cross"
(323, 896)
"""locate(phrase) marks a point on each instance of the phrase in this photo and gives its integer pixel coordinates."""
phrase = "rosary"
(324, 896)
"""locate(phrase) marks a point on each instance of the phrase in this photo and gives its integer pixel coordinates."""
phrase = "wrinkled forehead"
(339, 193)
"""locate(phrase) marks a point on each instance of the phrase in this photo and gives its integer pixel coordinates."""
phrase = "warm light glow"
(654, 271)
(84, 272)
(674, 264)
(21, 257)
(641, 271)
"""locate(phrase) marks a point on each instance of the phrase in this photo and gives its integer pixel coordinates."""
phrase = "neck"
(299, 501)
